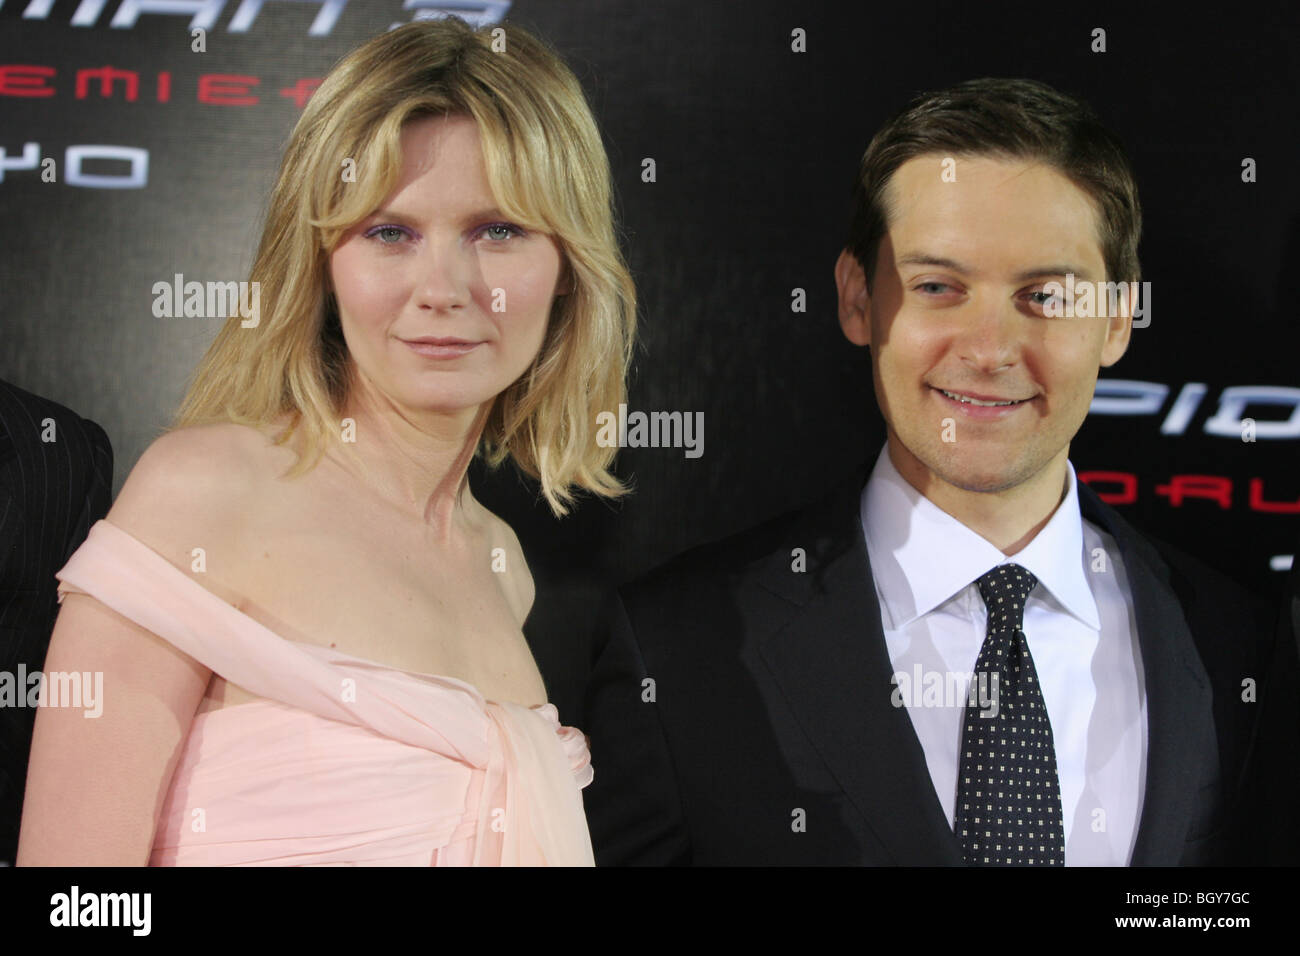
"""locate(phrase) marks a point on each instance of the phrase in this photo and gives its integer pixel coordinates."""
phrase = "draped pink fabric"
(345, 761)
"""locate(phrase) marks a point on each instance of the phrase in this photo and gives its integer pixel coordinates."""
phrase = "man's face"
(957, 307)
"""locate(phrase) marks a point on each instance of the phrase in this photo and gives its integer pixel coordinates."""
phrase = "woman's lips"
(442, 348)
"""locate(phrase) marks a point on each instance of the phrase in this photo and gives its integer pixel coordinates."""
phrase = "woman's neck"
(418, 463)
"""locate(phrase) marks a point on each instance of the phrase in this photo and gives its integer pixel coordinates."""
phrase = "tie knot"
(1005, 590)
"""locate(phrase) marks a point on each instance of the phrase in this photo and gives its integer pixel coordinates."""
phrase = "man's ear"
(1119, 329)
(855, 305)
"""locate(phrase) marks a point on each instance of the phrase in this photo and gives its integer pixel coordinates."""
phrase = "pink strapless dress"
(346, 762)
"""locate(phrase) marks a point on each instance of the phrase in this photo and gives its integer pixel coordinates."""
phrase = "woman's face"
(442, 301)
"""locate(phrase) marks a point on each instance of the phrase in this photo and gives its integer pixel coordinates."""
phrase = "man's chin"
(980, 475)
(979, 467)
(983, 483)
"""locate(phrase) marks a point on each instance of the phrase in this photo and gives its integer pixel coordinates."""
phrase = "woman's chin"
(451, 403)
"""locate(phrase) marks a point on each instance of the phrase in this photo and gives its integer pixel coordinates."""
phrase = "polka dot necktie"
(1008, 793)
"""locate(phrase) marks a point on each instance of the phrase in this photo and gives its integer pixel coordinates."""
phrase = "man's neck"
(1008, 519)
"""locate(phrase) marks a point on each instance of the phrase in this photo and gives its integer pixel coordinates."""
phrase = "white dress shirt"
(1080, 628)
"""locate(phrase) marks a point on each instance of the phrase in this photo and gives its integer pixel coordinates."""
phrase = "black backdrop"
(755, 146)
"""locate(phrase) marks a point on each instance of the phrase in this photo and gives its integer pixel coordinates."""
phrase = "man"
(56, 480)
(965, 657)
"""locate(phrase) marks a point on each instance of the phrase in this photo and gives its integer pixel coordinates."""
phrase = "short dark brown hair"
(1015, 119)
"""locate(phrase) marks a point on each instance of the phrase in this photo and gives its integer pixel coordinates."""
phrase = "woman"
(309, 629)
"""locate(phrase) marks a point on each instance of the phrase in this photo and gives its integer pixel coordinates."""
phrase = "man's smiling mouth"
(985, 402)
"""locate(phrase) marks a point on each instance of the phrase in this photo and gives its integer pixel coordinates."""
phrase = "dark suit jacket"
(1275, 791)
(771, 698)
(50, 495)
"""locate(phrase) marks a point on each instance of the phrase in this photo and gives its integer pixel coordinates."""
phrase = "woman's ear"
(564, 285)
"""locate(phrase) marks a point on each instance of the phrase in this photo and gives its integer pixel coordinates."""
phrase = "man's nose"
(991, 334)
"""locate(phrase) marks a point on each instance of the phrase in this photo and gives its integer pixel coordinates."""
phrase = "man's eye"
(932, 287)
(1041, 297)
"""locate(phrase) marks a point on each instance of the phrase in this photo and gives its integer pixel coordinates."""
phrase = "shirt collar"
(921, 555)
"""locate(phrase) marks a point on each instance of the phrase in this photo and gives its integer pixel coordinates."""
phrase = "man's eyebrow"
(1038, 272)
(1047, 272)
(925, 259)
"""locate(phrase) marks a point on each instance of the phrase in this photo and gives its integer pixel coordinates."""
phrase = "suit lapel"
(11, 516)
(1177, 689)
(831, 663)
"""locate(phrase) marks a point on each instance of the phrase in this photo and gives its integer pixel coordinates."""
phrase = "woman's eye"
(387, 235)
(501, 230)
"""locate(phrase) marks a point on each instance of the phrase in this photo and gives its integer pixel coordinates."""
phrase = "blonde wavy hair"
(548, 171)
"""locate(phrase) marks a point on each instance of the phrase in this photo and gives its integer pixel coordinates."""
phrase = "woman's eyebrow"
(392, 215)
(406, 218)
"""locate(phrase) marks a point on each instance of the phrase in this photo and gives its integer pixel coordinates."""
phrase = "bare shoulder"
(192, 488)
(508, 561)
